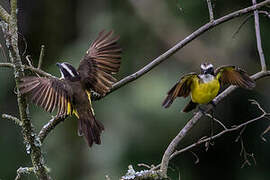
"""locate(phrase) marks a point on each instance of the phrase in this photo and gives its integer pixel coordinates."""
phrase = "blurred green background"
(137, 129)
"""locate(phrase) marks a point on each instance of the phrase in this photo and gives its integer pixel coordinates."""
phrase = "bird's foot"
(202, 110)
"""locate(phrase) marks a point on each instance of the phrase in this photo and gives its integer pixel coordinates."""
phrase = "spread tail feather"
(168, 101)
(173, 92)
(90, 128)
(190, 106)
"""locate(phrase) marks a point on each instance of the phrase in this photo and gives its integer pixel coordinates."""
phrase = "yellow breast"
(203, 93)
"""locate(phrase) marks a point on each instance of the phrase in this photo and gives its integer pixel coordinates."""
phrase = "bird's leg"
(202, 110)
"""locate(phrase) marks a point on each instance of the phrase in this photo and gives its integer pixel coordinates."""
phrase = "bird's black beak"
(58, 64)
(203, 71)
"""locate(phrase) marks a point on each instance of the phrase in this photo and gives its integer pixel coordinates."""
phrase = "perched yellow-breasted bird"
(205, 86)
(71, 93)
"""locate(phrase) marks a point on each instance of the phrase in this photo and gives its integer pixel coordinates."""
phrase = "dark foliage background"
(137, 129)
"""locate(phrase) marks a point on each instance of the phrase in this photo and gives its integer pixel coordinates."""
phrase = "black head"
(207, 68)
(67, 70)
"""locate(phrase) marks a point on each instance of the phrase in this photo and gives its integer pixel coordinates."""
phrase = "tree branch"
(195, 119)
(40, 60)
(183, 43)
(4, 14)
(31, 140)
(16, 120)
(210, 9)
(47, 128)
(24, 170)
(30, 68)
(258, 37)
(225, 131)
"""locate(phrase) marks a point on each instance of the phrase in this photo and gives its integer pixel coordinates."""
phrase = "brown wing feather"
(235, 76)
(100, 62)
(180, 89)
(47, 93)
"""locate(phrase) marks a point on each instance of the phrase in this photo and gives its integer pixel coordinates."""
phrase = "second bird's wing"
(180, 89)
(48, 93)
(235, 76)
(100, 62)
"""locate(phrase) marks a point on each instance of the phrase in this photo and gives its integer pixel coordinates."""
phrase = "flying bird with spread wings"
(71, 93)
(204, 87)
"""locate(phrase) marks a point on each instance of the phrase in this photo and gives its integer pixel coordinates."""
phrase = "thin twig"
(264, 132)
(265, 13)
(215, 119)
(24, 170)
(246, 155)
(210, 9)
(196, 156)
(226, 131)
(29, 61)
(144, 165)
(240, 134)
(14, 119)
(32, 69)
(41, 55)
(195, 119)
(241, 25)
(258, 37)
(28, 58)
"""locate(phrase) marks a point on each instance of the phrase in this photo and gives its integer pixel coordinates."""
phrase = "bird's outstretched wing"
(235, 76)
(180, 89)
(48, 93)
(101, 60)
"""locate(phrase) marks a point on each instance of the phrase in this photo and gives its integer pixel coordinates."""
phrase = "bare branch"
(32, 142)
(196, 156)
(265, 13)
(28, 58)
(258, 37)
(210, 9)
(215, 119)
(144, 165)
(225, 131)
(264, 132)
(41, 55)
(24, 170)
(30, 68)
(246, 156)
(47, 128)
(241, 25)
(4, 14)
(195, 119)
(183, 43)
(16, 120)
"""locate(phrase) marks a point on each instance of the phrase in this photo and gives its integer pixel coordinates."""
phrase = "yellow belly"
(203, 93)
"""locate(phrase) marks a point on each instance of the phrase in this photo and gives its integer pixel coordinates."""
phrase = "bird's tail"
(190, 106)
(90, 128)
(171, 95)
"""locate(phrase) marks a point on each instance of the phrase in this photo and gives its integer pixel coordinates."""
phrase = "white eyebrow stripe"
(68, 70)
(206, 67)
